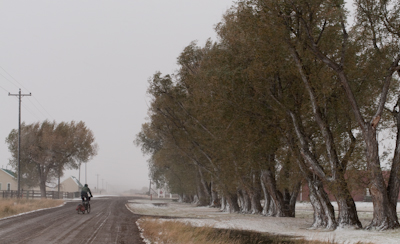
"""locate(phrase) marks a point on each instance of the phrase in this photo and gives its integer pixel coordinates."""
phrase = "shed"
(8, 180)
(71, 184)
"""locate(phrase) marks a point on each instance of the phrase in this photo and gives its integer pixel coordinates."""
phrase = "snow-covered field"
(200, 216)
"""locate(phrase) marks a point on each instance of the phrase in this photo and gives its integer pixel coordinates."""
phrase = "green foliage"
(276, 73)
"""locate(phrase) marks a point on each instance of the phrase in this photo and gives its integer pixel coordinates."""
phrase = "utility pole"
(97, 182)
(150, 188)
(79, 178)
(19, 137)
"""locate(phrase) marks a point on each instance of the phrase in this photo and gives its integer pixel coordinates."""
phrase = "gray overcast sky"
(90, 61)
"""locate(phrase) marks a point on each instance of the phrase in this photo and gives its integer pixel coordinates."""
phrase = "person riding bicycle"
(84, 193)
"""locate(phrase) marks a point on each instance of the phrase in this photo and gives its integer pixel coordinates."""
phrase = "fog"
(90, 61)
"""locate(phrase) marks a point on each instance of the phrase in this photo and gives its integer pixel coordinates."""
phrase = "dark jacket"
(85, 190)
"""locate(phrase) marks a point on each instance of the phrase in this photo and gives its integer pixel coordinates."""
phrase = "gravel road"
(108, 222)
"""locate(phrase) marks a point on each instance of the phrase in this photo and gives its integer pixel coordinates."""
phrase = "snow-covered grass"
(205, 216)
(154, 230)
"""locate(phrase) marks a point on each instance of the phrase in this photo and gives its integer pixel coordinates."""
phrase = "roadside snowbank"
(37, 210)
(200, 216)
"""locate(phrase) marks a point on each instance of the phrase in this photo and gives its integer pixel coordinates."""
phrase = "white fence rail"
(31, 194)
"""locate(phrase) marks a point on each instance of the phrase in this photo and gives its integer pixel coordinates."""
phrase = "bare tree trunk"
(268, 207)
(291, 198)
(256, 207)
(282, 209)
(272, 211)
(240, 199)
(206, 188)
(214, 197)
(255, 193)
(319, 220)
(232, 200)
(324, 213)
(223, 204)
(393, 187)
(347, 212)
(245, 201)
(385, 216)
(42, 189)
(187, 198)
(201, 192)
(267, 199)
(43, 178)
(347, 209)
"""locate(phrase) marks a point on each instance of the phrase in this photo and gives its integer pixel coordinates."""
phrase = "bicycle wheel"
(88, 208)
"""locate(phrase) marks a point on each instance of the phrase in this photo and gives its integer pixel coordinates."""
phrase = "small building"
(162, 192)
(71, 184)
(8, 180)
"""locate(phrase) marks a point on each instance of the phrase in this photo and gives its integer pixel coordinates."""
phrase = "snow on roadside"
(37, 210)
(65, 201)
(141, 233)
(140, 229)
(201, 216)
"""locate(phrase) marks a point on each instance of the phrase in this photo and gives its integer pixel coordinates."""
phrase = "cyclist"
(84, 193)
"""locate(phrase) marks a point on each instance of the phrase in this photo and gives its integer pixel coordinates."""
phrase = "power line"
(28, 91)
(13, 78)
(3, 88)
(42, 108)
(9, 80)
(30, 111)
(37, 108)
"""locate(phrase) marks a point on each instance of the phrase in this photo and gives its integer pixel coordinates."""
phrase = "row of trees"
(49, 148)
(288, 95)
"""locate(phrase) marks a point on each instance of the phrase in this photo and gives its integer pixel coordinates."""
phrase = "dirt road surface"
(108, 222)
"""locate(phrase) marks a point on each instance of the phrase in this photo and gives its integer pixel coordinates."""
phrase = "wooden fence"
(31, 194)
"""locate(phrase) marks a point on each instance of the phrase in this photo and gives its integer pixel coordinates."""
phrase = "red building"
(357, 183)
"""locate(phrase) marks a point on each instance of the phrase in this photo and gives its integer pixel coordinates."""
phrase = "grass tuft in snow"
(171, 231)
(9, 207)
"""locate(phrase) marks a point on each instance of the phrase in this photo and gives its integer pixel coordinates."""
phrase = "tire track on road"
(37, 230)
(108, 222)
(94, 235)
(75, 229)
